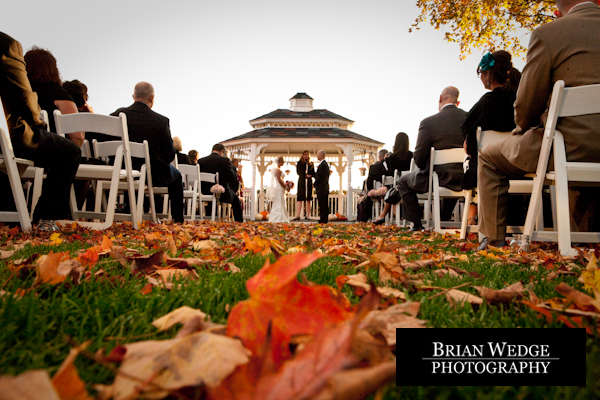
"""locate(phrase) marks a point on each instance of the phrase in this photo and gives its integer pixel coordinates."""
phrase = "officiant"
(322, 187)
(306, 171)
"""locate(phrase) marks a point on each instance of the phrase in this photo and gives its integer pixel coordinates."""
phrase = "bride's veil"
(272, 187)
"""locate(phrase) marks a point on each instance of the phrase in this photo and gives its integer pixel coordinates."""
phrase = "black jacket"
(376, 172)
(440, 131)
(214, 163)
(322, 177)
(145, 124)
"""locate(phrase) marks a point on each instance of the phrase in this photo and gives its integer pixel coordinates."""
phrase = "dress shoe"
(416, 229)
(296, 219)
(485, 243)
(379, 221)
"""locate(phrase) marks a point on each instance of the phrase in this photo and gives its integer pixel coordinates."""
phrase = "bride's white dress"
(277, 196)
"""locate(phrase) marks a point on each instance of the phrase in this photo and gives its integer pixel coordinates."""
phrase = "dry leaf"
(178, 316)
(30, 385)
(200, 245)
(194, 360)
(579, 299)
(67, 382)
(385, 322)
(456, 296)
(506, 295)
(168, 275)
(356, 384)
(54, 268)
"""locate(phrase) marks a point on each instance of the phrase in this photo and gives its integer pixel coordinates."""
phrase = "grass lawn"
(41, 321)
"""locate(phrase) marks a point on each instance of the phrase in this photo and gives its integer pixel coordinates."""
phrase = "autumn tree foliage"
(485, 24)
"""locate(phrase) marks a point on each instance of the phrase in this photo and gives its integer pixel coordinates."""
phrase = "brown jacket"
(19, 101)
(567, 49)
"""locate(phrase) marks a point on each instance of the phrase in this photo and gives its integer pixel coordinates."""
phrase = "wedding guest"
(193, 155)
(494, 111)
(378, 169)
(399, 160)
(182, 158)
(440, 131)
(566, 49)
(306, 171)
(145, 124)
(43, 74)
(58, 156)
(322, 187)
(216, 162)
(237, 166)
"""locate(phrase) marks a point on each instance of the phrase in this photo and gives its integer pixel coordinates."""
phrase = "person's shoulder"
(9, 45)
(159, 117)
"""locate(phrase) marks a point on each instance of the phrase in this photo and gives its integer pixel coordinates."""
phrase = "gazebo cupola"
(301, 102)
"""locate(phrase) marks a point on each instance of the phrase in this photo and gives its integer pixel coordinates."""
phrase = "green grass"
(36, 329)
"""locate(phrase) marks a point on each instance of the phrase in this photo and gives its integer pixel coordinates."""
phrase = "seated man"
(145, 124)
(440, 131)
(217, 162)
(565, 49)
(58, 156)
(378, 169)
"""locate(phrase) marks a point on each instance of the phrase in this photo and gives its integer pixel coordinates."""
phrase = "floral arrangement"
(289, 185)
(341, 217)
(262, 216)
(217, 189)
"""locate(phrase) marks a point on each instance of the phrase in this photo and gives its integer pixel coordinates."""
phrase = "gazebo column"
(253, 153)
(340, 167)
(349, 153)
(262, 168)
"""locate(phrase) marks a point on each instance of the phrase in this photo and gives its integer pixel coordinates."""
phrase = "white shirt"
(580, 4)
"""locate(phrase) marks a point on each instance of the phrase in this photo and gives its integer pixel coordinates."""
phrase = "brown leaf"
(178, 316)
(356, 384)
(443, 272)
(386, 322)
(506, 295)
(67, 382)
(198, 359)
(456, 296)
(168, 275)
(579, 299)
(390, 269)
(30, 385)
(54, 268)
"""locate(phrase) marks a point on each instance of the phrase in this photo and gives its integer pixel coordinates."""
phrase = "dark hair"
(193, 153)
(305, 151)
(503, 71)
(77, 90)
(218, 147)
(401, 144)
(41, 66)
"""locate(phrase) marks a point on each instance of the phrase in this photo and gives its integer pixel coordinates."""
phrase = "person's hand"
(308, 176)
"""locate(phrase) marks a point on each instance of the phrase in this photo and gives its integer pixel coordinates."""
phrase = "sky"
(215, 65)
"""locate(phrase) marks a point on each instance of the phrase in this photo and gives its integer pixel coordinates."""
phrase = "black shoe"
(416, 229)
(485, 243)
(379, 221)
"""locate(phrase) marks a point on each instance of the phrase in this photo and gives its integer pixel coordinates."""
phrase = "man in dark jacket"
(58, 156)
(145, 124)
(378, 169)
(440, 131)
(322, 187)
(216, 162)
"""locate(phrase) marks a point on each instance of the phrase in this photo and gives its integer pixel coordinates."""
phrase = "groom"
(322, 187)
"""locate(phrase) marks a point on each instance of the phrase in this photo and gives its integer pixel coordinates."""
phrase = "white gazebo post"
(253, 152)
(349, 152)
(262, 168)
(340, 167)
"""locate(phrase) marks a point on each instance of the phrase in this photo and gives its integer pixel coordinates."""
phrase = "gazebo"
(288, 132)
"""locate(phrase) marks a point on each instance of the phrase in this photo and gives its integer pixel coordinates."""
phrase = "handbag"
(392, 196)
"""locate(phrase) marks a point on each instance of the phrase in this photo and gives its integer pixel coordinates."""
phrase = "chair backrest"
(208, 177)
(5, 143)
(44, 115)
(447, 156)
(487, 138)
(85, 149)
(190, 175)
(389, 180)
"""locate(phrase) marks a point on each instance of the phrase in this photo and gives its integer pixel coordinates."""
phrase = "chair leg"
(465, 215)
(38, 180)
(436, 205)
(563, 218)
(214, 210)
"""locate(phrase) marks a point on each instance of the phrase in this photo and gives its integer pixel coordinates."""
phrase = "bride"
(277, 194)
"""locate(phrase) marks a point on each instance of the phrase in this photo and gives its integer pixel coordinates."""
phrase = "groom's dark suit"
(322, 189)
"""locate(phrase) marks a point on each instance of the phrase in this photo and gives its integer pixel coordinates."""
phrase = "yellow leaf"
(55, 239)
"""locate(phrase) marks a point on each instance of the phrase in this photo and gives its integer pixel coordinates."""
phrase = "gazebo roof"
(301, 95)
(303, 133)
(283, 113)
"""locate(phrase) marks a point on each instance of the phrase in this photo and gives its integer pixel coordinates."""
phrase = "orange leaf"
(276, 296)
(256, 244)
(67, 382)
(54, 268)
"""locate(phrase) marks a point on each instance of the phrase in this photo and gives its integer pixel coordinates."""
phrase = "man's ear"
(457, 103)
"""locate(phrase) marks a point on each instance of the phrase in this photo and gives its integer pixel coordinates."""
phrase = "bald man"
(440, 131)
(145, 124)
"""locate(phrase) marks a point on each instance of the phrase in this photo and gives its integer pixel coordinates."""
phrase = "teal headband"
(487, 62)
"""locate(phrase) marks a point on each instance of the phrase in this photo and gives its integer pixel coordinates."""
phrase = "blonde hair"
(177, 144)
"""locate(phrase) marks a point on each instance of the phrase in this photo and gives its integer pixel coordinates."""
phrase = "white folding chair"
(191, 189)
(209, 198)
(565, 102)
(435, 192)
(395, 210)
(120, 149)
(516, 186)
(377, 201)
(12, 166)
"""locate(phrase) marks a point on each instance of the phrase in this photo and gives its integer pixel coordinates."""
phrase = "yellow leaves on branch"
(484, 24)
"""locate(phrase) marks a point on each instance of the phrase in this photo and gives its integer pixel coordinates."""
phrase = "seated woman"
(399, 160)
(45, 81)
(58, 156)
(494, 111)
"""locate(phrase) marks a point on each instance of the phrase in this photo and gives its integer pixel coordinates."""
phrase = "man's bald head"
(144, 92)
(449, 96)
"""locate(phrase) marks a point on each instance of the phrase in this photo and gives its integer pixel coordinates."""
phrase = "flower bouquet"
(217, 190)
(289, 185)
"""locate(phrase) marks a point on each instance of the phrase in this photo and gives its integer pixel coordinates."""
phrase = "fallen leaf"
(277, 298)
(53, 268)
(506, 295)
(385, 322)
(358, 383)
(579, 299)
(456, 296)
(591, 277)
(390, 269)
(178, 316)
(169, 275)
(171, 247)
(30, 385)
(200, 245)
(166, 365)
(67, 382)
